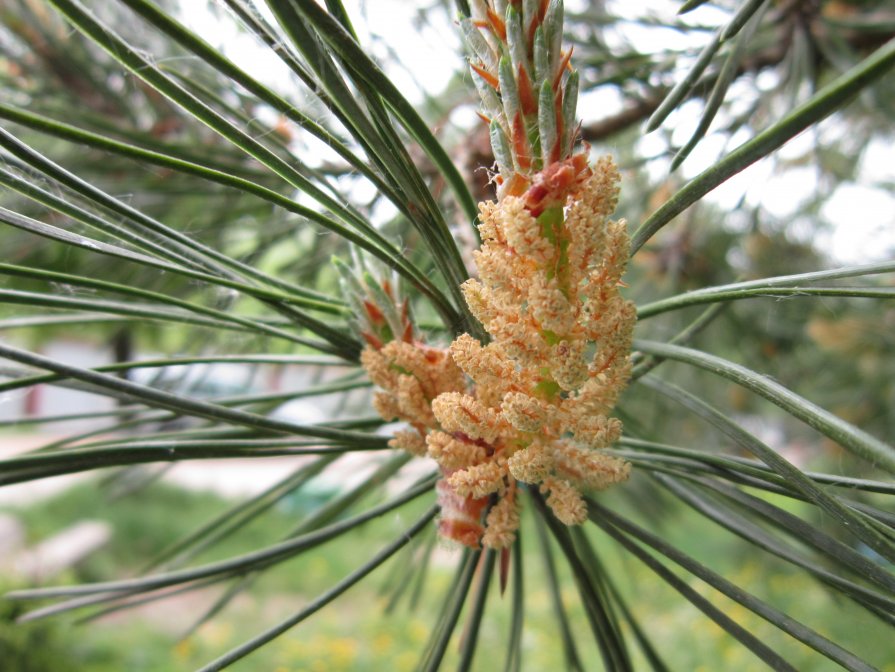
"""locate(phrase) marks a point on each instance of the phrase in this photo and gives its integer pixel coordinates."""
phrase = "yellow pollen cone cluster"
(412, 376)
(535, 406)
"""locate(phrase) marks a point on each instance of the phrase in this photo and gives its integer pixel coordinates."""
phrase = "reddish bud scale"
(461, 517)
(376, 316)
(556, 182)
(387, 288)
(526, 93)
(516, 185)
(497, 25)
(538, 20)
(563, 66)
(407, 336)
(556, 151)
(487, 76)
(374, 342)
(532, 29)
(520, 142)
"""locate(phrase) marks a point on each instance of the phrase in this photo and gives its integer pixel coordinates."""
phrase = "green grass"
(350, 635)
